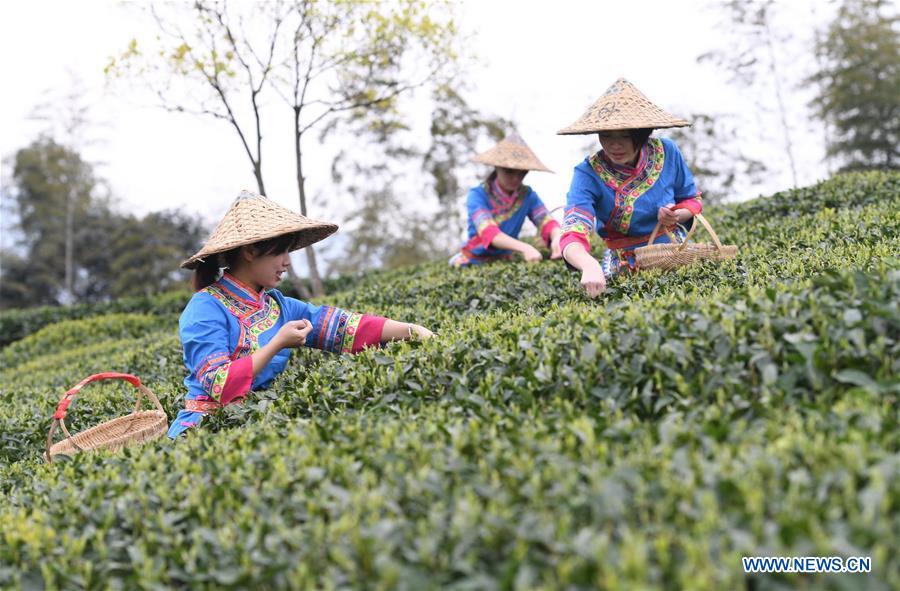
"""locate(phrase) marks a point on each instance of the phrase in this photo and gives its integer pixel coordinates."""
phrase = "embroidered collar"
(629, 183)
(497, 189)
(501, 197)
(242, 292)
(625, 171)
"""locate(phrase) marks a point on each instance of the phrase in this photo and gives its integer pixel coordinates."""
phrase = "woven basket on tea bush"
(674, 255)
(137, 427)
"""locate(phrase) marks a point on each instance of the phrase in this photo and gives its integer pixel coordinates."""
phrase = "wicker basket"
(137, 427)
(671, 256)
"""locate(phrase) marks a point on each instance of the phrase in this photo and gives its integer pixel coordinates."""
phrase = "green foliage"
(76, 246)
(859, 81)
(543, 440)
(333, 63)
(75, 333)
(385, 233)
(719, 167)
(134, 255)
(51, 191)
(17, 324)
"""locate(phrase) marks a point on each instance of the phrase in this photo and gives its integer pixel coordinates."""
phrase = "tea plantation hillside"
(645, 440)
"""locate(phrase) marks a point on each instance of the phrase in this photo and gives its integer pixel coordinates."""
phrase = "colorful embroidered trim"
(482, 219)
(504, 206)
(203, 406)
(629, 186)
(335, 329)
(578, 225)
(350, 328)
(254, 318)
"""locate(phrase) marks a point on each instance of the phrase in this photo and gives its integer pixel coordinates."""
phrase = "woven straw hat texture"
(254, 218)
(622, 106)
(512, 152)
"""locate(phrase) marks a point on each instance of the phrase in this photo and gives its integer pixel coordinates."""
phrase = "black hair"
(639, 137)
(493, 176)
(207, 272)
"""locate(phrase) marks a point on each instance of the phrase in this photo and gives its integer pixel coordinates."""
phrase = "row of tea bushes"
(648, 439)
(848, 191)
(73, 335)
(549, 497)
(800, 247)
(749, 349)
(17, 324)
(40, 368)
(517, 451)
(73, 349)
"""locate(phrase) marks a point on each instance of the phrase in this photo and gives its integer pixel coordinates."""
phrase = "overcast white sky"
(542, 63)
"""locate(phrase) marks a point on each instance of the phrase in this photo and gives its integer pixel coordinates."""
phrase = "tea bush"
(648, 439)
(17, 324)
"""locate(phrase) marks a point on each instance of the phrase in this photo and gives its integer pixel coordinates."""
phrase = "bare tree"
(753, 51)
(326, 60)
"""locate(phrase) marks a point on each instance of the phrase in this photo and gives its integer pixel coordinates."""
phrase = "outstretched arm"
(592, 279)
(505, 241)
(555, 249)
(402, 331)
(340, 331)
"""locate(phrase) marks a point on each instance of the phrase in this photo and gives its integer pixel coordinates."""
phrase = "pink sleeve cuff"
(368, 333)
(692, 204)
(573, 237)
(488, 234)
(239, 380)
(547, 230)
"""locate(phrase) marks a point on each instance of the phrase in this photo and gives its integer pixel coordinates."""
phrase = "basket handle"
(59, 417)
(687, 238)
(554, 210)
(668, 233)
(709, 229)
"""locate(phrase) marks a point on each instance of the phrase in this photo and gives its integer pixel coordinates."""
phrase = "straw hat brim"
(254, 218)
(503, 161)
(621, 107)
(305, 237)
(587, 129)
(512, 152)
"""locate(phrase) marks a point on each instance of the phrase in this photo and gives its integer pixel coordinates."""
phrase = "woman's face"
(510, 178)
(266, 270)
(618, 146)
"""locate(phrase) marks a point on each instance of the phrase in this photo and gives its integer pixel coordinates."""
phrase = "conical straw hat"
(622, 106)
(512, 152)
(254, 218)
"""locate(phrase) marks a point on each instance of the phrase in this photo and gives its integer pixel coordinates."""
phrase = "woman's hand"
(531, 254)
(420, 331)
(506, 242)
(555, 250)
(593, 280)
(668, 216)
(403, 331)
(293, 333)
